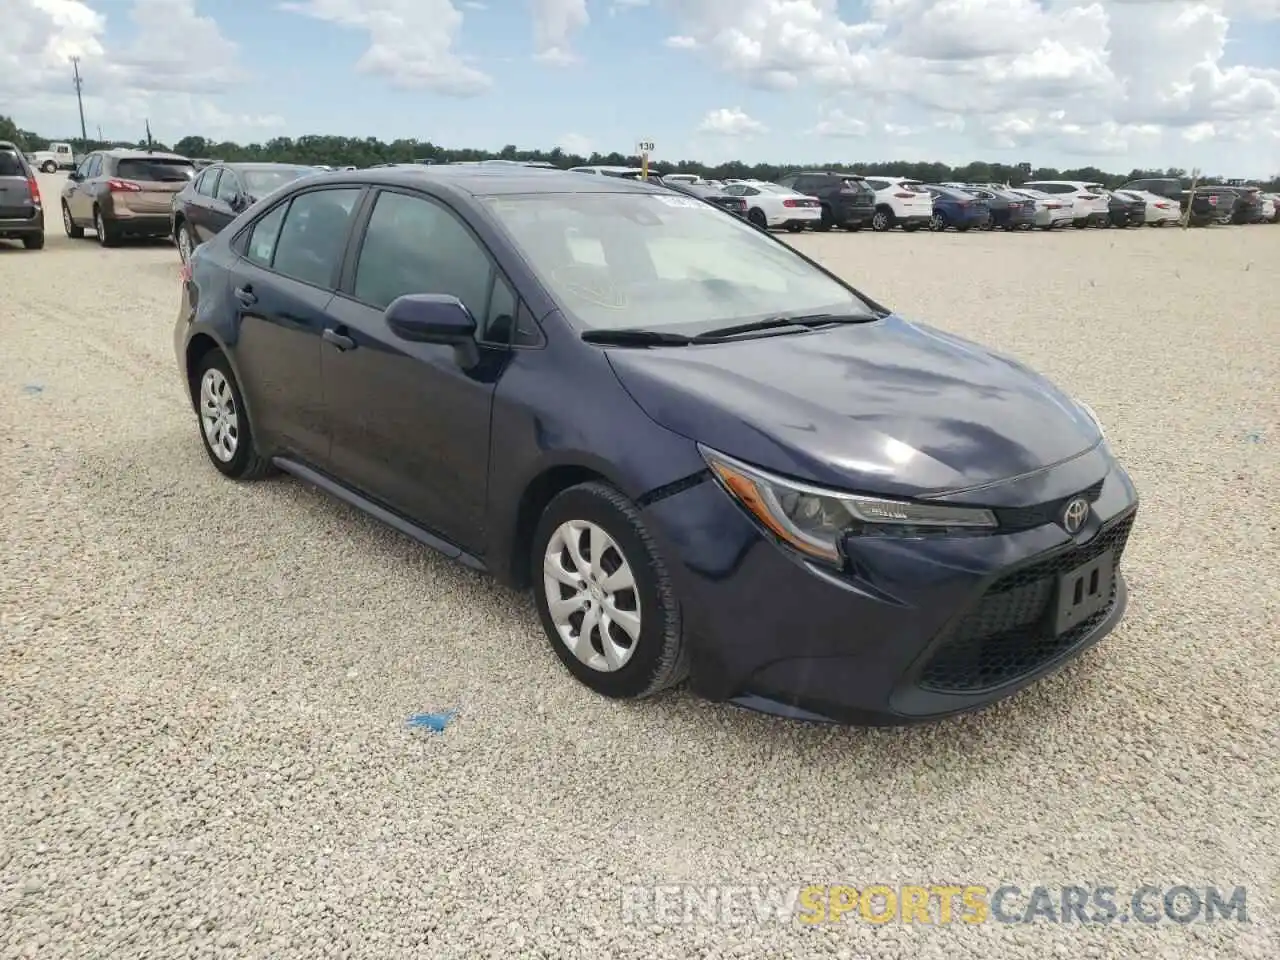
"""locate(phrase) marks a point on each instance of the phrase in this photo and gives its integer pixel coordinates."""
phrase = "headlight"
(813, 520)
(1092, 416)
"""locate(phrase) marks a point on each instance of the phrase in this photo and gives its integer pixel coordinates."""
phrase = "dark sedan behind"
(1125, 211)
(711, 194)
(220, 193)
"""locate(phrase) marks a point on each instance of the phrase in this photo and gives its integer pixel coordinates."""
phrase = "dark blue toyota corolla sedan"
(709, 457)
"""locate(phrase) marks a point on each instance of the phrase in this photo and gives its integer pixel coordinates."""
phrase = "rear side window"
(11, 164)
(414, 245)
(878, 184)
(314, 235)
(207, 184)
(154, 169)
(263, 236)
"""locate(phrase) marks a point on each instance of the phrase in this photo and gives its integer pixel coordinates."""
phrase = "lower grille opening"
(1008, 633)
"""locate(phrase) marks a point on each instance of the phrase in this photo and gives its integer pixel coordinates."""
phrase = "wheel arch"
(538, 492)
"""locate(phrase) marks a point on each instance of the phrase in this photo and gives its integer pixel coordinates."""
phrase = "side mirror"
(75, 176)
(435, 318)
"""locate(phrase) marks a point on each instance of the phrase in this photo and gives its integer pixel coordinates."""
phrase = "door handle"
(339, 340)
(246, 295)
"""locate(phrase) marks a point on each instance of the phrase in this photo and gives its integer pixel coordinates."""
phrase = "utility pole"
(84, 133)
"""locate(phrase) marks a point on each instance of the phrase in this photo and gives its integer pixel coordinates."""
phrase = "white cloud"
(410, 41)
(680, 43)
(170, 72)
(730, 122)
(577, 144)
(837, 123)
(554, 24)
(1125, 74)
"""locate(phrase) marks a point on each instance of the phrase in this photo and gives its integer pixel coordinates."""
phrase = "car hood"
(891, 406)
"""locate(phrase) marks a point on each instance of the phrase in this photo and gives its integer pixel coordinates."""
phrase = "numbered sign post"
(644, 148)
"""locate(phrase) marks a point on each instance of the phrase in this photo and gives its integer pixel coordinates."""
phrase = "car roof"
(481, 181)
(264, 165)
(128, 153)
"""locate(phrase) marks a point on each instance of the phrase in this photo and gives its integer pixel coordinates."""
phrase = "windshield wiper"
(634, 337)
(782, 321)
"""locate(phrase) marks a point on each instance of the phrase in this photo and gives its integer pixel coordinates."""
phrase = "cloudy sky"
(1116, 83)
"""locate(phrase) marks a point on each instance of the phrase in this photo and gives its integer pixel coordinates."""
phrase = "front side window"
(639, 260)
(414, 245)
(314, 235)
(93, 166)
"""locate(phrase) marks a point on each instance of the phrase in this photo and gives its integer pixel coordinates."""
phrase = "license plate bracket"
(1084, 591)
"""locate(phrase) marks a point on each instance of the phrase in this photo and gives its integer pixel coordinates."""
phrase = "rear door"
(17, 201)
(282, 286)
(156, 179)
(198, 203)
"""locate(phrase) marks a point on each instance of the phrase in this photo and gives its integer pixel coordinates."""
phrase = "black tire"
(1080, 224)
(827, 221)
(246, 464)
(883, 219)
(963, 229)
(938, 223)
(73, 231)
(795, 227)
(34, 241)
(757, 218)
(659, 659)
(852, 226)
(910, 227)
(103, 227)
(49, 167)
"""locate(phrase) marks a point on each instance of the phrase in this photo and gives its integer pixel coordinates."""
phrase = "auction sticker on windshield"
(687, 202)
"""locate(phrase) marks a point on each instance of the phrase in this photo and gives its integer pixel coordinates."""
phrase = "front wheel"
(604, 596)
(49, 167)
(69, 225)
(938, 222)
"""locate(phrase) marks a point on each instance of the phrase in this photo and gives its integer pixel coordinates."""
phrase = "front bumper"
(912, 630)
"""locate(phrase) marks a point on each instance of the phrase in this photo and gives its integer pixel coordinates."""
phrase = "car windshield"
(261, 182)
(156, 169)
(639, 260)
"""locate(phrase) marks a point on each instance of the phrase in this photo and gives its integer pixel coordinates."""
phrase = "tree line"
(367, 151)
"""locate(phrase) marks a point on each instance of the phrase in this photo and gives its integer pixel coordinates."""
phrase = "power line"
(75, 68)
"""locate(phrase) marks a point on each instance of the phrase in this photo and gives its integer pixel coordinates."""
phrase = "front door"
(79, 200)
(410, 426)
(282, 287)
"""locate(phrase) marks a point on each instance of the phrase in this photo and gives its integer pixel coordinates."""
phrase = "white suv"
(899, 202)
(1092, 207)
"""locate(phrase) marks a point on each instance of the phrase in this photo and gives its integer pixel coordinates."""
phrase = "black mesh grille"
(1024, 518)
(1009, 632)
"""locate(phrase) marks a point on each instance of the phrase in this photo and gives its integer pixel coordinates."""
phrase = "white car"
(899, 203)
(1271, 207)
(1161, 211)
(771, 205)
(1090, 206)
(1052, 212)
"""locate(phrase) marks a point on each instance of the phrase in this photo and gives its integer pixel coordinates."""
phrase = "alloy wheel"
(592, 595)
(218, 415)
(66, 219)
(184, 243)
(100, 227)
(880, 222)
(938, 222)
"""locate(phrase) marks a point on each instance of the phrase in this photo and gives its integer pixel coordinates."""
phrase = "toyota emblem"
(1074, 515)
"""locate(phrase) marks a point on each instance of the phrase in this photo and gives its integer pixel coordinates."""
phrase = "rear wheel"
(795, 227)
(183, 239)
(106, 233)
(882, 221)
(1080, 224)
(224, 423)
(910, 227)
(604, 596)
(826, 222)
(757, 217)
(34, 241)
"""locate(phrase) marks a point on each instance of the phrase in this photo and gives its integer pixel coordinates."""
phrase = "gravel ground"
(204, 751)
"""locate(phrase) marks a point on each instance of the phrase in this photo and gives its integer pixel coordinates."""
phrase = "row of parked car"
(820, 200)
(121, 193)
